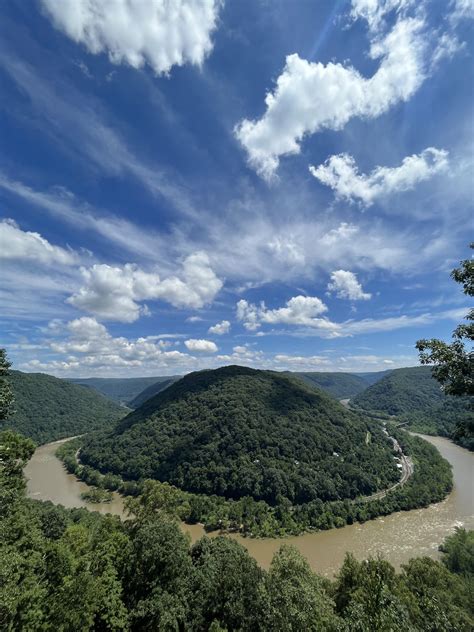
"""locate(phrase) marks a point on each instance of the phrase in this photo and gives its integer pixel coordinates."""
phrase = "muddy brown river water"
(397, 537)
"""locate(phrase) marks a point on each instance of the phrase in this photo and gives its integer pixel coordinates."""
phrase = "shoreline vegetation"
(79, 570)
(430, 483)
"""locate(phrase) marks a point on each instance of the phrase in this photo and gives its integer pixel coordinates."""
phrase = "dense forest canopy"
(239, 432)
(74, 570)
(47, 408)
(415, 396)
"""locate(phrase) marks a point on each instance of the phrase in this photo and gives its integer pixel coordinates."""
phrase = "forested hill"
(120, 390)
(47, 408)
(413, 395)
(237, 432)
(152, 390)
(370, 377)
(339, 385)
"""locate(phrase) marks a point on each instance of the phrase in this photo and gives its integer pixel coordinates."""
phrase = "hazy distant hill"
(371, 377)
(339, 385)
(415, 396)
(47, 408)
(236, 431)
(121, 390)
(134, 391)
(152, 390)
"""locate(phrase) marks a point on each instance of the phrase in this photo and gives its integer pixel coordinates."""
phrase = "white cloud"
(198, 287)
(341, 174)
(114, 293)
(345, 285)
(287, 251)
(309, 97)
(296, 362)
(240, 349)
(219, 329)
(61, 204)
(136, 32)
(304, 314)
(201, 346)
(17, 244)
(248, 314)
(90, 346)
(462, 9)
(374, 11)
(299, 310)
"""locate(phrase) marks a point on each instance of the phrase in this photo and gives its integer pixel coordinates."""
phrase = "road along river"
(397, 537)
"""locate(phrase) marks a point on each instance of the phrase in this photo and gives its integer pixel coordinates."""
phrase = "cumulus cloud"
(219, 329)
(309, 97)
(299, 310)
(341, 174)
(308, 362)
(114, 293)
(159, 33)
(305, 315)
(89, 345)
(17, 244)
(201, 346)
(344, 284)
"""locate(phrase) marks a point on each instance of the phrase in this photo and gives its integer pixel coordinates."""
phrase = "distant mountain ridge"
(414, 396)
(339, 385)
(47, 408)
(121, 390)
(152, 390)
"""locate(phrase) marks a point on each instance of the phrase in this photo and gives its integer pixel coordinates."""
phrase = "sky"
(195, 183)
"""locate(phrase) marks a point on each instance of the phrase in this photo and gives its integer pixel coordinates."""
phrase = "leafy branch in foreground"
(454, 363)
(6, 394)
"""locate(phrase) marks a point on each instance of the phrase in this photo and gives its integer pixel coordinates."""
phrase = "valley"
(398, 537)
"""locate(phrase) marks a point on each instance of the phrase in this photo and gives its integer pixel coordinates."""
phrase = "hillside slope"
(339, 385)
(120, 390)
(414, 396)
(371, 377)
(47, 408)
(152, 390)
(240, 432)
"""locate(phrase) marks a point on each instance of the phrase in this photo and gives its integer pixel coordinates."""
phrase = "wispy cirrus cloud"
(79, 126)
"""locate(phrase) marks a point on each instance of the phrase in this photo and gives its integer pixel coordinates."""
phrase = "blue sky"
(279, 184)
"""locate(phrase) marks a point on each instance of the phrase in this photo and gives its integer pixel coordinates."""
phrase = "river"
(397, 537)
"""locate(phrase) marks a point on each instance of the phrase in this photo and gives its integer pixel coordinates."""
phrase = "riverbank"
(398, 537)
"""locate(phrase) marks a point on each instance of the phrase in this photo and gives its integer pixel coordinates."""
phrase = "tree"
(6, 395)
(454, 364)
(224, 586)
(294, 596)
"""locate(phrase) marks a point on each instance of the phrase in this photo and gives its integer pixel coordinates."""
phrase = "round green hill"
(238, 432)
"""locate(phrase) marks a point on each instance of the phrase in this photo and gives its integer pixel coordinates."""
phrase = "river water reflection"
(397, 537)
